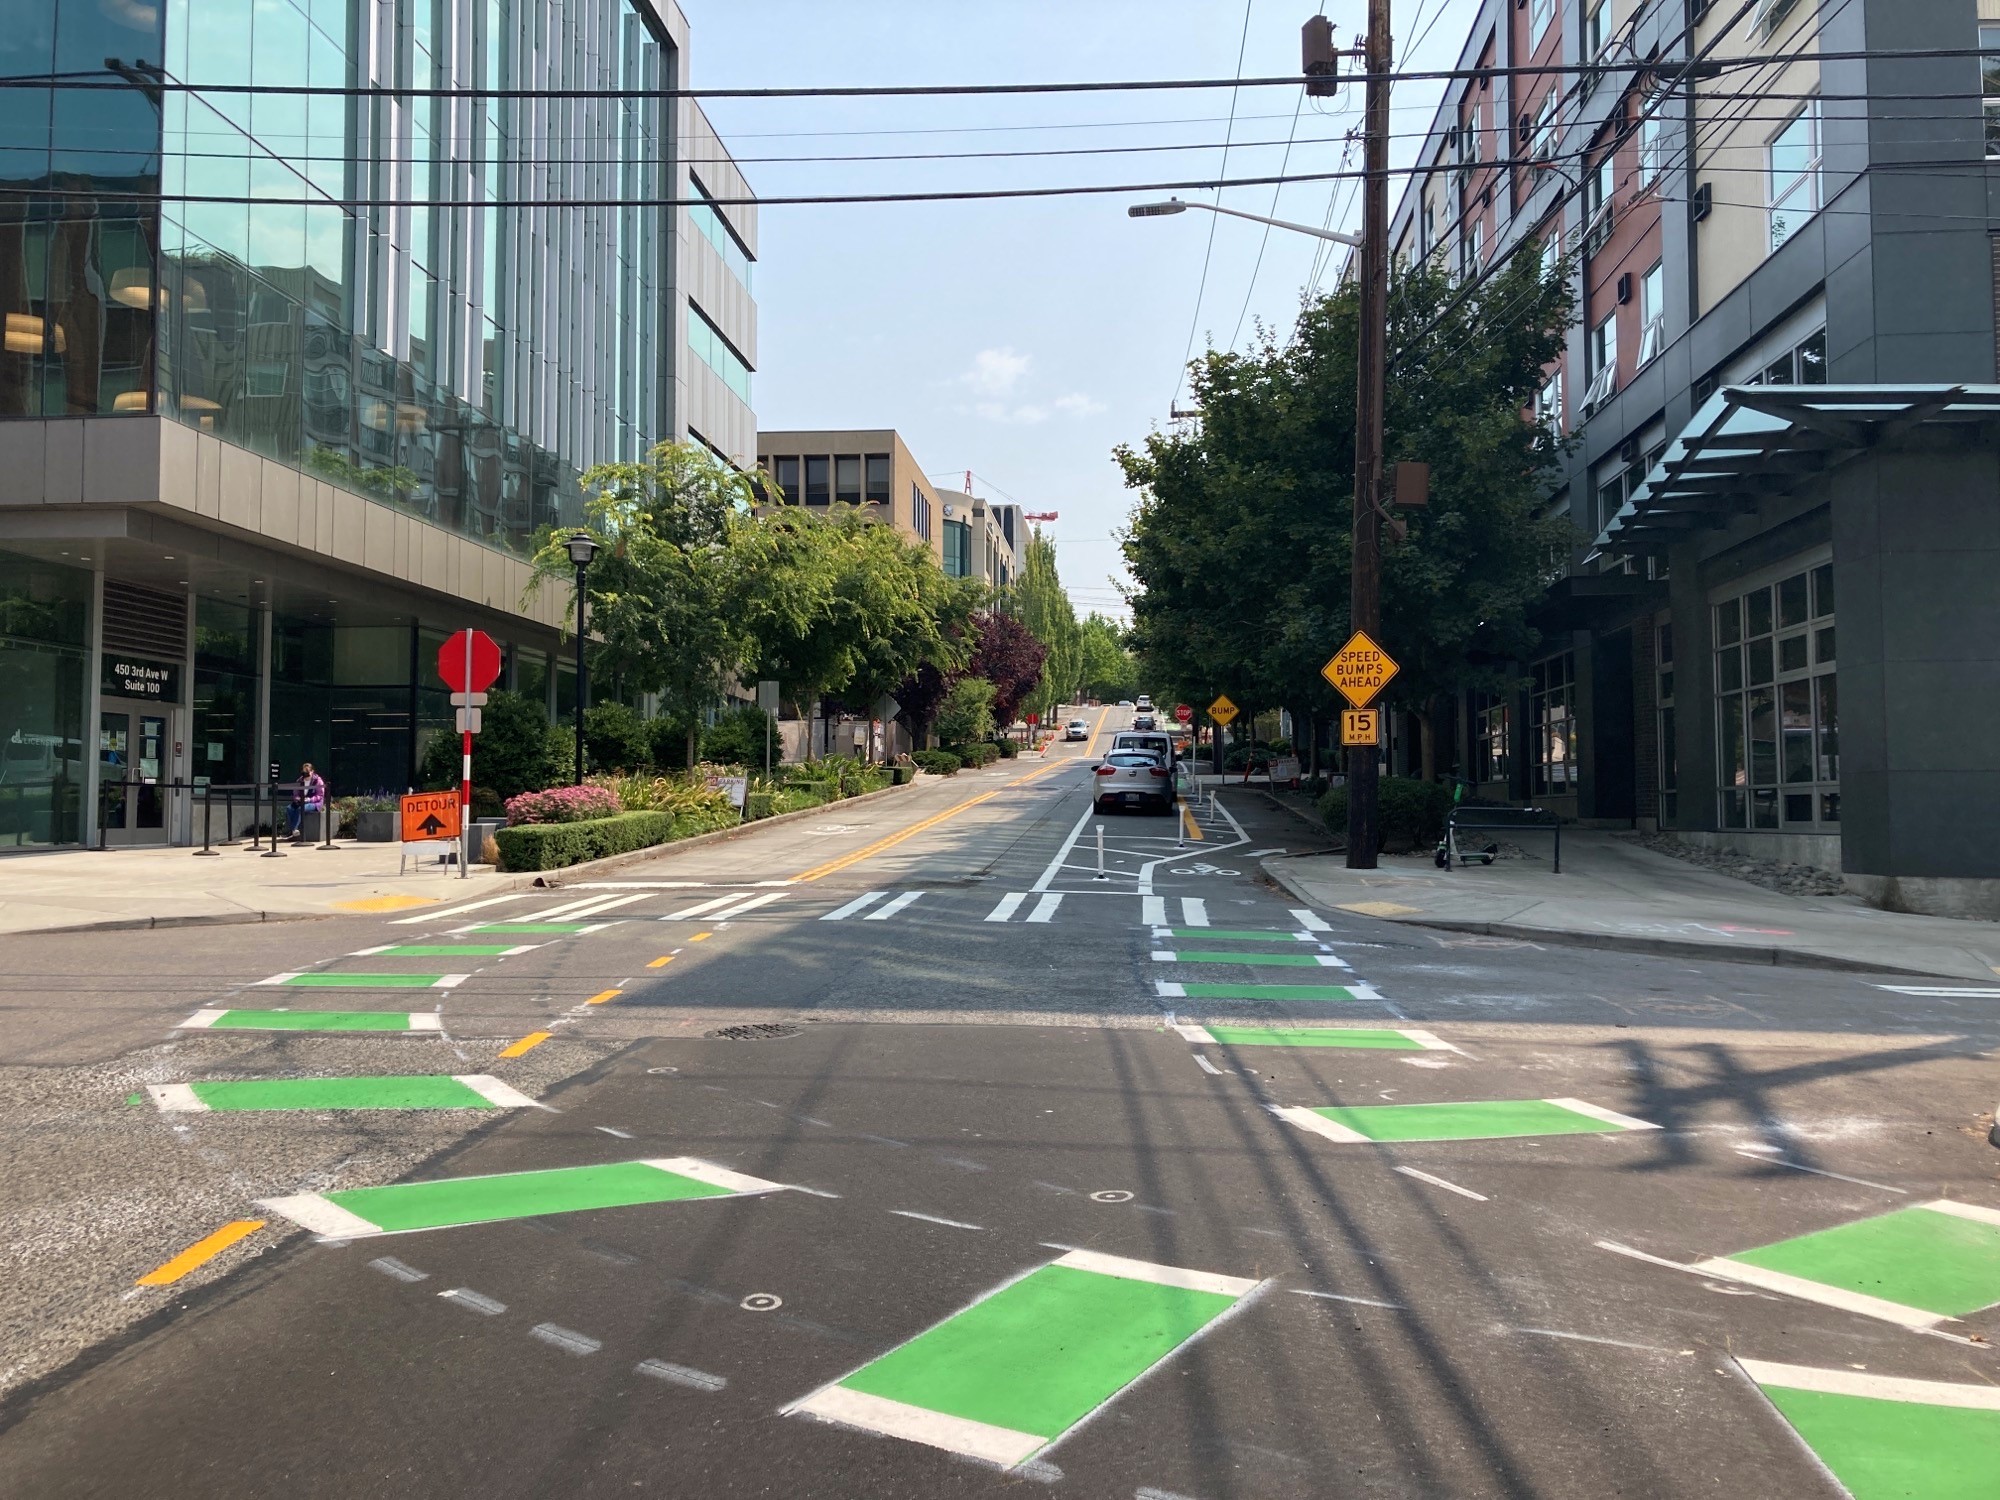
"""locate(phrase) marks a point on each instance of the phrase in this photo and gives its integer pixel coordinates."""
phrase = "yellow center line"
(699, 936)
(602, 996)
(661, 962)
(201, 1252)
(1090, 745)
(527, 1043)
(833, 866)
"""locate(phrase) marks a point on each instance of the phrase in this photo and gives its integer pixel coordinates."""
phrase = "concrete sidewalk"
(1615, 894)
(81, 890)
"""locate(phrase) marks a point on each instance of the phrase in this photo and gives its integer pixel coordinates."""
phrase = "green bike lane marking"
(1887, 1438)
(1466, 1120)
(1169, 989)
(1393, 1040)
(1011, 1374)
(445, 950)
(1256, 960)
(366, 981)
(1917, 1266)
(314, 1020)
(400, 1208)
(1234, 935)
(418, 1091)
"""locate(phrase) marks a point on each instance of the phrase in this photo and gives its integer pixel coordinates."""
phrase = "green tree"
(1109, 672)
(1241, 539)
(615, 738)
(510, 754)
(1041, 604)
(966, 715)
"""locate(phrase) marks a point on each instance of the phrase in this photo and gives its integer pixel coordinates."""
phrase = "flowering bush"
(563, 804)
(685, 793)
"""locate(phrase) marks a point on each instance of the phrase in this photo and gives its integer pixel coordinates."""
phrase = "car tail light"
(1107, 770)
(1159, 770)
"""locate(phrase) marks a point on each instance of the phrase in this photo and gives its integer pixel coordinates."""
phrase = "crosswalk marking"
(1311, 921)
(1194, 911)
(1153, 910)
(1941, 991)
(452, 911)
(893, 907)
(702, 908)
(751, 905)
(842, 913)
(1009, 904)
(1045, 909)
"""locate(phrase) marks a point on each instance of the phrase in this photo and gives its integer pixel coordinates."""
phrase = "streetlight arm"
(1351, 240)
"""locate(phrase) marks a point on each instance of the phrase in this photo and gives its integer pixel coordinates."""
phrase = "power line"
(1264, 243)
(1208, 251)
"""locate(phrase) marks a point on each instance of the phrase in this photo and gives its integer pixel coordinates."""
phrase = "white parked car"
(1076, 729)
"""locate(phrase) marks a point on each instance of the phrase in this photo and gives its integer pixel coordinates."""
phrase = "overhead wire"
(1264, 243)
(1208, 251)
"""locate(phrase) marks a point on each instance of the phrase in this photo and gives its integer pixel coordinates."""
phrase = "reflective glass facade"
(463, 363)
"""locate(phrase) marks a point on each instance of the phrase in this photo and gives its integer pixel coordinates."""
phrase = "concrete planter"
(375, 827)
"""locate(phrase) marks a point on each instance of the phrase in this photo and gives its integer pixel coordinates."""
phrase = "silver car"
(1133, 778)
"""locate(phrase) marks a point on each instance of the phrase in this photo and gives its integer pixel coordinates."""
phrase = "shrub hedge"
(978, 753)
(550, 846)
(1007, 748)
(1412, 812)
(937, 762)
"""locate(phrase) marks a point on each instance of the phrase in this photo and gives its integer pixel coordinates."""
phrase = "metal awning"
(1750, 441)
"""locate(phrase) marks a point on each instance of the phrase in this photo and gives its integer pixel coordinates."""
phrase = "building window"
(1601, 351)
(1802, 364)
(1663, 707)
(714, 227)
(786, 472)
(1544, 141)
(1552, 724)
(1652, 311)
(819, 478)
(1549, 404)
(957, 549)
(1652, 148)
(1989, 85)
(1540, 13)
(1596, 23)
(1600, 188)
(1771, 15)
(715, 351)
(920, 512)
(1793, 161)
(1777, 705)
(847, 478)
(1491, 728)
(878, 479)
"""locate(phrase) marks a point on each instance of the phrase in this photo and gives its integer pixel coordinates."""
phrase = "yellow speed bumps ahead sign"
(1360, 670)
(1222, 710)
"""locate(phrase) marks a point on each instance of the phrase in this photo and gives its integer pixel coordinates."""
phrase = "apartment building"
(979, 539)
(262, 451)
(874, 468)
(1775, 632)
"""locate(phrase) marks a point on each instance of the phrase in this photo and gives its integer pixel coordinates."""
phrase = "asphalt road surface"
(914, 1153)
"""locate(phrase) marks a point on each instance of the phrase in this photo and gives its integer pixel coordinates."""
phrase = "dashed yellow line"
(602, 996)
(527, 1043)
(661, 962)
(701, 937)
(201, 1252)
(833, 866)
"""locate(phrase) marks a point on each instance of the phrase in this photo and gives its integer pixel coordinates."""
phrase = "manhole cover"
(761, 1031)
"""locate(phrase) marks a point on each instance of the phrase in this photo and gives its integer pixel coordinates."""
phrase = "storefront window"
(1552, 724)
(1777, 705)
(1491, 728)
(44, 611)
(223, 737)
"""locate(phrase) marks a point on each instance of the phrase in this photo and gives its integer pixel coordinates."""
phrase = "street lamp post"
(1177, 206)
(582, 549)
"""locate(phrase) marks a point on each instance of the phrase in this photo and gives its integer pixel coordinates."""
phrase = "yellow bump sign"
(1222, 710)
(1360, 670)
(1361, 726)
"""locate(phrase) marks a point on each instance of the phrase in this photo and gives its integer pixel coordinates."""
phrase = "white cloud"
(1033, 413)
(996, 372)
(1076, 404)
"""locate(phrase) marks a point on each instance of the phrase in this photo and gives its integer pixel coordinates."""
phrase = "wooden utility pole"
(1365, 587)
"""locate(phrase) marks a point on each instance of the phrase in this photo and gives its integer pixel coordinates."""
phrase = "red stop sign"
(1183, 714)
(484, 670)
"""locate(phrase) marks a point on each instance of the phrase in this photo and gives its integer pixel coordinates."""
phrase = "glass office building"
(278, 444)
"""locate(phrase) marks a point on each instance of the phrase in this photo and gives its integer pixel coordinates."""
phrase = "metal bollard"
(1100, 853)
(274, 852)
(207, 817)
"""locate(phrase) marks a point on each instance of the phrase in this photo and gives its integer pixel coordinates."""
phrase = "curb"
(207, 919)
(1616, 942)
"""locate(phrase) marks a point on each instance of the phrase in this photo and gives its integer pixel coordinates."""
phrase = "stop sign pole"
(469, 663)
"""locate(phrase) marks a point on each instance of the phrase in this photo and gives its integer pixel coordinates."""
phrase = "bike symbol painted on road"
(761, 1302)
(1201, 869)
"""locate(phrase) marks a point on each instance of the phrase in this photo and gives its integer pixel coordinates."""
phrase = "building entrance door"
(131, 762)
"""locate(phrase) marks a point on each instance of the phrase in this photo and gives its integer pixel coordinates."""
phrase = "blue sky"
(1023, 339)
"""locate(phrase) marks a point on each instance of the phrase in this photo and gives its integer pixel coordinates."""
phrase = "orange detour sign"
(430, 815)
(1360, 670)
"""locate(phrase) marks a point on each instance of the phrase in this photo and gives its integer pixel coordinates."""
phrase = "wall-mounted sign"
(133, 677)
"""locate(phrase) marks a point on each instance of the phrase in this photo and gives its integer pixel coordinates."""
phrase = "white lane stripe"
(452, 911)
(426, 1020)
(893, 907)
(566, 1339)
(700, 907)
(1153, 911)
(623, 1135)
(1194, 911)
(859, 903)
(494, 1092)
(1209, 1067)
(1362, 991)
(1813, 1291)
(1009, 904)
(1876, 1387)
(652, 885)
(911, 1213)
(1337, 1297)
(449, 981)
(200, 1019)
(687, 1375)
(1145, 1270)
(1599, 1112)
(1958, 1210)
(1799, 1166)
(1939, 991)
(1592, 1338)
(371, 952)
(1046, 907)
(1311, 921)
(713, 1175)
(312, 1211)
(1168, 990)
(1449, 1187)
(1305, 1119)
(1062, 854)
(1429, 1042)
(982, 1440)
(1652, 1260)
(1195, 1033)
(176, 1098)
(285, 978)
(752, 904)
